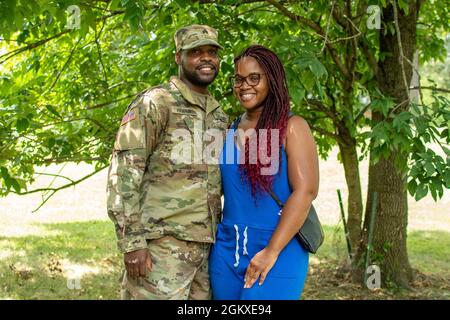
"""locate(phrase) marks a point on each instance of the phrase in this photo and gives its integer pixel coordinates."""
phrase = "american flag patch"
(131, 115)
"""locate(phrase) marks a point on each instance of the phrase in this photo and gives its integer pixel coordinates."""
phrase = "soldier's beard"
(198, 80)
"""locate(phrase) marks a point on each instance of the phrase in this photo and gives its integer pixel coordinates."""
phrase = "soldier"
(165, 211)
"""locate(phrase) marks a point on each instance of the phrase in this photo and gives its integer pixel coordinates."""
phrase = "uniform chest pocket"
(220, 121)
(184, 118)
(217, 126)
(185, 135)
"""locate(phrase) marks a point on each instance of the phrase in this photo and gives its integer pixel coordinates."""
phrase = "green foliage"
(63, 91)
(412, 133)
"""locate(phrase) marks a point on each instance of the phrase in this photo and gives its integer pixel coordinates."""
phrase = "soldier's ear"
(178, 57)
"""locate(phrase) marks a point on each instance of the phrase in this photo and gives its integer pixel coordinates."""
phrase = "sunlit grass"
(48, 266)
(42, 254)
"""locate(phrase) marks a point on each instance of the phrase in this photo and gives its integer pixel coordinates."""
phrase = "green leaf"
(312, 63)
(15, 185)
(51, 142)
(412, 187)
(22, 124)
(429, 168)
(421, 191)
(7, 182)
(4, 172)
(297, 95)
(114, 4)
(307, 78)
(447, 179)
(382, 105)
(181, 3)
(403, 5)
(53, 110)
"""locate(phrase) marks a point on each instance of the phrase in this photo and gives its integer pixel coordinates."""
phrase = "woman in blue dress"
(256, 254)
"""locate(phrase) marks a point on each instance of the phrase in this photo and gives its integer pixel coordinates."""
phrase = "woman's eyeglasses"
(252, 80)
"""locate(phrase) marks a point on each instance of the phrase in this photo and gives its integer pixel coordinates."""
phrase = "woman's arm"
(303, 173)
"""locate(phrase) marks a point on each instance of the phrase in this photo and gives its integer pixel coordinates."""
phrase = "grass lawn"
(429, 256)
(44, 266)
(71, 238)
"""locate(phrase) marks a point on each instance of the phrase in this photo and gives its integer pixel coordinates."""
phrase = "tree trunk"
(354, 200)
(390, 229)
(391, 219)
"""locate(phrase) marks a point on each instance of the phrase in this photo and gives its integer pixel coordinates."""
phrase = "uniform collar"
(194, 97)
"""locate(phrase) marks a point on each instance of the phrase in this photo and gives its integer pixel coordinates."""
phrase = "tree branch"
(9, 40)
(430, 88)
(337, 15)
(361, 113)
(31, 46)
(370, 57)
(54, 190)
(97, 42)
(319, 106)
(64, 186)
(325, 132)
(216, 1)
(77, 160)
(64, 66)
(39, 43)
(126, 82)
(53, 175)
(317, 28)
(101, 105)
(257, 8)
(400, 46)
(328, 26)
(362, 41)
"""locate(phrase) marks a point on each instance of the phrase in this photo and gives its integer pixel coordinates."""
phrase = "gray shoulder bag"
(310, 234)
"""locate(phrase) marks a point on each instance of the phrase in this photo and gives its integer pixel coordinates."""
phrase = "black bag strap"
(235, 123)
(272, 194)
(234, 126)
(274, 197)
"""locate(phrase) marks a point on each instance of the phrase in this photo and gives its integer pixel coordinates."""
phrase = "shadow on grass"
(49, 266)
(38, 267)
(428, 251)
(429, 255)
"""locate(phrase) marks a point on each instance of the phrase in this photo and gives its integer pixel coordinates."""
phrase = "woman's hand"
(260, 266)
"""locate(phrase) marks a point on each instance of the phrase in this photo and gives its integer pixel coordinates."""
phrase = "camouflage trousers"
(180, 272)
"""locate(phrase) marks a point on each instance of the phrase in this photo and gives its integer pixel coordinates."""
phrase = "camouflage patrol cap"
(195, 36)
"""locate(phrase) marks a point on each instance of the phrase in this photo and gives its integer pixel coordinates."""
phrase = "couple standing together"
(177, 241)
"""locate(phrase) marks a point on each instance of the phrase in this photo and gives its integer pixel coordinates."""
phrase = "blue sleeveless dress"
(246, 228)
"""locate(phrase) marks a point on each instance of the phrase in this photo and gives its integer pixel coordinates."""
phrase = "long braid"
(274, 115)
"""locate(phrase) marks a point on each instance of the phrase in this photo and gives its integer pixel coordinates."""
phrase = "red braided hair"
(274, 116)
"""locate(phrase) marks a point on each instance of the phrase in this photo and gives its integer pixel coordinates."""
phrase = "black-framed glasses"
(252, 80)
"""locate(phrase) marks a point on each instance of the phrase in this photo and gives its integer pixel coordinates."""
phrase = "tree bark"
(354, 200)
(390, 229)
(391, 220)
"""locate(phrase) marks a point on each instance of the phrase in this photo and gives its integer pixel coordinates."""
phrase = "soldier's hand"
(138, 263)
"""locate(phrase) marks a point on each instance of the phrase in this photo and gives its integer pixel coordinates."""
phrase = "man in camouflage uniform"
(165, 211)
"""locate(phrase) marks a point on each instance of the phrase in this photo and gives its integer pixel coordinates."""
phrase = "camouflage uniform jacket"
(150, 193)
